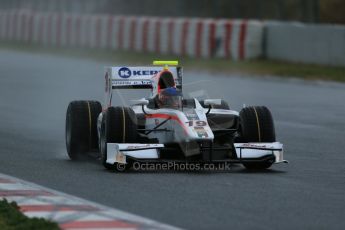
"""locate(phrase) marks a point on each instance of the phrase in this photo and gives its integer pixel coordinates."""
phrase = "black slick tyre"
(81, 128)
(256, 125)
(119, 125)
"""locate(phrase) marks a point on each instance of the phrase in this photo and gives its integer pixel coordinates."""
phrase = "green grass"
(251, 68)
(12, 219)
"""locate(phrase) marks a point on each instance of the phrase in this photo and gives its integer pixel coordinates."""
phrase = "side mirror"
(141, 102)
(211, 102)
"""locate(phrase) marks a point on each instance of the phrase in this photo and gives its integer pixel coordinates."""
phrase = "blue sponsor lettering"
(144, 72)
(125, 72)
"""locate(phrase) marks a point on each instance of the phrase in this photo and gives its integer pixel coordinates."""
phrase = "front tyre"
(81, 127)
(119, 125)
(256, 125)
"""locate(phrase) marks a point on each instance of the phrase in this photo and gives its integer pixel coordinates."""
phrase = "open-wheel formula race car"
(166, 126)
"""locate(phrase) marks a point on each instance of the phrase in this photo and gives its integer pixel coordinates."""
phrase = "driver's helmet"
(170, 98)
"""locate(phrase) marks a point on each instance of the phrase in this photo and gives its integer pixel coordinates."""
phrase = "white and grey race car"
(168, 127)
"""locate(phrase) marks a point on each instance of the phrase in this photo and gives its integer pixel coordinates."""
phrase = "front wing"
(118, 153)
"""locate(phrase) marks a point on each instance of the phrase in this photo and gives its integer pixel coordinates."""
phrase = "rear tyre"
(119, 125)
(81, 127)
(256, 125)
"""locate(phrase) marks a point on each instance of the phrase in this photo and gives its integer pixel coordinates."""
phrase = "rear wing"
(137, 77)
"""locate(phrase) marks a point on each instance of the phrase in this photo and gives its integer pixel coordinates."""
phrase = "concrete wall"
(193, 37)
(298, 42)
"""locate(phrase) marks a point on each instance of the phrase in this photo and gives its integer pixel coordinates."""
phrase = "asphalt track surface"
(309, 117)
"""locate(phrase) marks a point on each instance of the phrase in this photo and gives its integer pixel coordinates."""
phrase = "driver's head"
(169, 97)
(166, 80)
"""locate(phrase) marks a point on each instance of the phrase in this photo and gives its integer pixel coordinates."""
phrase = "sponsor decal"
(192, 116)
(254, 145)
(124, 72)
(127, 82)
(141, 146)
(137, 147)
(201, 132)
(144, 72)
